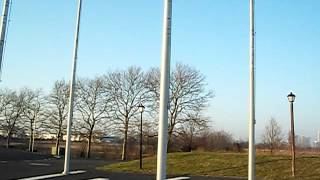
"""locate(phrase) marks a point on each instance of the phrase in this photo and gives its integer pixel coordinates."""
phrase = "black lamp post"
(141, 109)
(291, 98)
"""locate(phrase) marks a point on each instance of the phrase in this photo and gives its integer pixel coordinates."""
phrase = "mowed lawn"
(226, 164)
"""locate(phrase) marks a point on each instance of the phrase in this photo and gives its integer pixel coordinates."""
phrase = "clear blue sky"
(212, 35)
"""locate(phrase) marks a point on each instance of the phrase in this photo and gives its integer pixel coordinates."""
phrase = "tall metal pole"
(252, 153)
(141, 141)
(4, 20)
(71, 97)
(293, 148)
(164, 91)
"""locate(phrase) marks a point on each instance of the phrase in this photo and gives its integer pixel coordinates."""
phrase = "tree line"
(108, 105)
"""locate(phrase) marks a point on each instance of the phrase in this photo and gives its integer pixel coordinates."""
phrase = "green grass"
(225, 164)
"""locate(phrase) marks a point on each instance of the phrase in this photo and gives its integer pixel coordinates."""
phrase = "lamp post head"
(291, 97)
(141, 108)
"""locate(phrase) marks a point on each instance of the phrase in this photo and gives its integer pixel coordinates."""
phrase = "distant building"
(3, 133)
(76, 137)
(316, 143)
(303, 142)
(47, 136)
(109, 139)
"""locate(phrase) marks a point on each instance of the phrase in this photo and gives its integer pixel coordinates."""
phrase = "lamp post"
(291, 98)
(141, 109)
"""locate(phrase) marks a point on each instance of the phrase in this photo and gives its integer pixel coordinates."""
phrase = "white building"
(3, 133)
(47, 136)
(77, 137)
(54, 136)
(316, 143)
(303, 141)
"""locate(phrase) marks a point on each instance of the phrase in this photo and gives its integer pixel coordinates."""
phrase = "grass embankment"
(226, 164)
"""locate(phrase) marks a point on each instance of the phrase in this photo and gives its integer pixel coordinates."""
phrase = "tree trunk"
(169, 139)
(31, 139)
(58, 143)
(8, 140)
(190, 142)
(89, 145)
(124, 146)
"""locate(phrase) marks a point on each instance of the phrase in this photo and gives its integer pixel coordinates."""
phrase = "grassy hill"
(226, 164)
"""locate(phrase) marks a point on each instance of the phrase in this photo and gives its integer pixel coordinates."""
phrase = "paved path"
(18, 165)
(18, 155)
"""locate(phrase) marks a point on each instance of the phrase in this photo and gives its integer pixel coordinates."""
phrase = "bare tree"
(57, 110)
(33, 104)
(152, 84)
(215, 140)
(92, 105)
(11, 111)
(193, 126)
(188, 95)
(272, 135)
(126, 89)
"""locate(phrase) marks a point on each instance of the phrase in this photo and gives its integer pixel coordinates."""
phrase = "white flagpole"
(4, 20)
(71, 97)
(252, 152)
(164, 91)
